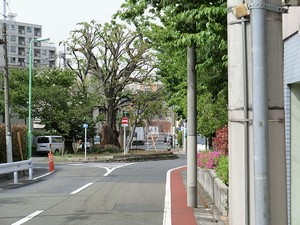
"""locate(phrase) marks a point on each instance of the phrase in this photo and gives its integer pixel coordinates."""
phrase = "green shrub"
(179, 138)
(223, 170)
(18, 144)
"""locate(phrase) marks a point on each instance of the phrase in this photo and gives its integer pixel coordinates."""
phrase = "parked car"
(52, 143)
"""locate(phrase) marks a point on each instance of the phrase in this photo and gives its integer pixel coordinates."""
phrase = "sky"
(59, 17)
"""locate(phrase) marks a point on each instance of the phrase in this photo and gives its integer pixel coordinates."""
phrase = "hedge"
(17, 145)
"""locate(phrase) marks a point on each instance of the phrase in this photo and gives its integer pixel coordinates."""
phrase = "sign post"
(124, 124)
(85, 126)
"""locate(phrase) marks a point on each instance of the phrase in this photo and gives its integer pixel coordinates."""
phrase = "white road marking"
(168, 206)
(46, 174)
(80, 189)
(29, 217)
(109, 169)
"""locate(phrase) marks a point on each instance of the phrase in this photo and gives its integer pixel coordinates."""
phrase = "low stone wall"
(215, 188)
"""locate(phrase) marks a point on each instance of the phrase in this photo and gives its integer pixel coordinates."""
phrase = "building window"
(13, 27)
(44, 52)
(12, 59)
(13, 38)
(13, 48)
(29, 29)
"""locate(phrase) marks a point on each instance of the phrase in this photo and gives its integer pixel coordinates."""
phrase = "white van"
(46, 143)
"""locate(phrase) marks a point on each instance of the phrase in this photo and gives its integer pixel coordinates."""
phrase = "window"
(29, 29)
(44, 52)
(57, 139)
(13, 38)
(13, 27)
(12, 60)
(13, 48)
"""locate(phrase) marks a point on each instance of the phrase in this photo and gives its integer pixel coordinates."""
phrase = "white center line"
(29, 217)
(80, 189)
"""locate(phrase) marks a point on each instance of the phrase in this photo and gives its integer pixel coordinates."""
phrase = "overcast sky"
(59, 17)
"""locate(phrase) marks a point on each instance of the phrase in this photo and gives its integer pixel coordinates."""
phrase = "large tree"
(180, 24)
(57, 100)
(113, 57)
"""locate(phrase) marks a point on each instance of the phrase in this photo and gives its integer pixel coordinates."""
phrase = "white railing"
(14, 167)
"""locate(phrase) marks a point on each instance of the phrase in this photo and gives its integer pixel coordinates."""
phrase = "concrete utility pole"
(256, 114)
(191, 128)
(9, 155)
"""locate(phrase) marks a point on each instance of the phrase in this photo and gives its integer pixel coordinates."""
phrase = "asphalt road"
(91, 193)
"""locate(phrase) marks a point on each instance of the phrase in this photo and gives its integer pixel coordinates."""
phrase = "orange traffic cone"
(51, 161)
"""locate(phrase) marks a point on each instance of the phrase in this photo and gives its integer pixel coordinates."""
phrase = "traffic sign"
(124, 122)
(85, 125)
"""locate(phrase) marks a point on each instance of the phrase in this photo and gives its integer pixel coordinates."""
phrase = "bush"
(179, 138)
(220, 141)
(222, 169)
(18, 144)
(208, 159)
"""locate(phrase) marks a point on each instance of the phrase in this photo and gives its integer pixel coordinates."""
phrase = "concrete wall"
(215, 188)
(291, 22)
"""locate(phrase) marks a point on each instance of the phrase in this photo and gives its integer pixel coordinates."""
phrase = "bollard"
(51, 161)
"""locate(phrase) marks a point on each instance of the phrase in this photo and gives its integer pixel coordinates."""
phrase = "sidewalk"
(202, 215)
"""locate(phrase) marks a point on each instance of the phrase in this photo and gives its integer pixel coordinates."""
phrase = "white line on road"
(80, 189)
(29, 217)
(168, 206)
(110, 170)
(46, 174)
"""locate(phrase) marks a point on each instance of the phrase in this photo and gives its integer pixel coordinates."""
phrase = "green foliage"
(179, 138)
(58, 100)
(223, 170)
(19, 145)
(115, 57)
(182, 23)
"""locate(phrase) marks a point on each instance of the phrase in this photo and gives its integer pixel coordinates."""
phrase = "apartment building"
(19, 35)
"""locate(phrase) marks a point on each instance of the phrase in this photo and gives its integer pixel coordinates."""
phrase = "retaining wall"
(215, 188)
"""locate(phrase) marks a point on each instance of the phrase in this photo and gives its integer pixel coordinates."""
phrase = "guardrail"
(14, 167)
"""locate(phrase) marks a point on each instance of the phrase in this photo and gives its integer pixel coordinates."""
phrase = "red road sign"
(124, 121)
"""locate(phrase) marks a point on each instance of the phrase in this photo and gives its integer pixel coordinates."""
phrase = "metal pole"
(29, 101)
(191, 128)
(30, 93)
(260, 116)
(85, 134)
(9, 155)
(246, 122)
(124, 140)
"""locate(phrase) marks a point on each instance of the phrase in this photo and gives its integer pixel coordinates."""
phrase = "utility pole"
(256, 113)
(9, 156)
(191, 128)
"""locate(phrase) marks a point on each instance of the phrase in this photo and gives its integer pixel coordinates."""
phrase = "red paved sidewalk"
(180, 213)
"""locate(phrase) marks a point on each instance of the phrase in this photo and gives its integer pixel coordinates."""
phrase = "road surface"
(91, 193)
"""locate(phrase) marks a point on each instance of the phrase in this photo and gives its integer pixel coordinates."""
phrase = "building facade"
(291, 37)
(19, 35)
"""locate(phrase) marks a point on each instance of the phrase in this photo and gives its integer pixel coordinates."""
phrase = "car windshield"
(43, 140)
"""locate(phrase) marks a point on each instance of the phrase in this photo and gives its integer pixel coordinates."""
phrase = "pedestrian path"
(181, 214)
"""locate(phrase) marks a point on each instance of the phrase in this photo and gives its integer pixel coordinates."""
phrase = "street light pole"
(29, 94)
(9, 155)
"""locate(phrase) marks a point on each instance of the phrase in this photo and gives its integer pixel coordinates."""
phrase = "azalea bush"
(208, 159)
(218, 158)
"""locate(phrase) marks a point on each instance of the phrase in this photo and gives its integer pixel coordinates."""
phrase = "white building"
(291, 37)
(19, 35)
